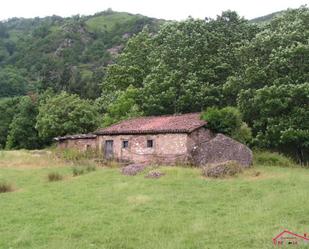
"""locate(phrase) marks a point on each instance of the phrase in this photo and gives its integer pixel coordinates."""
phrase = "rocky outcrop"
(221, 149)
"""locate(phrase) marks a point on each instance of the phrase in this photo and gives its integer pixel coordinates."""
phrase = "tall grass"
(54, 176)
(80, 170)
(267, 158)
(5, 187)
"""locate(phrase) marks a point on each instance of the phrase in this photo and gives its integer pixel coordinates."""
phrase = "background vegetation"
(117, 65)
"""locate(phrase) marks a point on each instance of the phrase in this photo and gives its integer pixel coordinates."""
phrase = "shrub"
(268, 158)
(228, 121)
(80, 170)
(228, 168)
(5, 187)
(91, 168)
(54, 176)
(77, 171)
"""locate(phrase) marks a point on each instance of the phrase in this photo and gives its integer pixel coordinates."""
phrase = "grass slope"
(109, 22)
(104, 209)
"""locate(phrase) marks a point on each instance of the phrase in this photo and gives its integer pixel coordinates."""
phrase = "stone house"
(169, 139)
(82, 142)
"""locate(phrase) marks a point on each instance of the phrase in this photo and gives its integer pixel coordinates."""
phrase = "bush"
(54, 176)
(5, 187)
(228, 121)
(268, 158)
(80, 170)
(228, 168)
(91, 168)
(77, 171)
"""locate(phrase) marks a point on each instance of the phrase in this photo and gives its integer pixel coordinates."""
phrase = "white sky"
(166, 9)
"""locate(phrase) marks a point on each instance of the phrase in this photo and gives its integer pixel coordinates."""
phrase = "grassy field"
(182, 210)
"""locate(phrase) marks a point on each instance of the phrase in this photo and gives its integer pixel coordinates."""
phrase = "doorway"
(108, 149)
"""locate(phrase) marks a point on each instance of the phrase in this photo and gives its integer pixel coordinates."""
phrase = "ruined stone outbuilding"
(170, 139)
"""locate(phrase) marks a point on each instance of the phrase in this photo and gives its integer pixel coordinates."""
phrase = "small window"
(149, 143)
(125, 144)
(88, 147)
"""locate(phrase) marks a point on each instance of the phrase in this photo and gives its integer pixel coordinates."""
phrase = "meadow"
(106, 210)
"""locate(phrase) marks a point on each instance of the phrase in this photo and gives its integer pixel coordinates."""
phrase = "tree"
(22, 133)
(279, 54)
(8, 108)
(124, 107)
(227, 120)
(66, 114)
(279, 116)
(12, 83)
(132, 65)
(183, 67)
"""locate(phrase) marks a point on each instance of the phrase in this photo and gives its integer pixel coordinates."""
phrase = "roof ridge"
(170, 123)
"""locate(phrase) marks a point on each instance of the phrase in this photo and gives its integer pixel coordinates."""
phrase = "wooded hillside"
(120, 65)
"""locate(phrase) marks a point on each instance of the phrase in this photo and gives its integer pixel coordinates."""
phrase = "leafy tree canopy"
(66, 114)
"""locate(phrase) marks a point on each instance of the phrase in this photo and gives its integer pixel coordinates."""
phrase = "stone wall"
(167, 148)
(79, 144)
(197, 137)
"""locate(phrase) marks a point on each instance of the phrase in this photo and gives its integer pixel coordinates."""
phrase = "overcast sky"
(166, 9)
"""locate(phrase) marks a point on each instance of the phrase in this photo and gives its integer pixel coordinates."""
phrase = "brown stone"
(133, 169)
(221, 149)
(222, 169)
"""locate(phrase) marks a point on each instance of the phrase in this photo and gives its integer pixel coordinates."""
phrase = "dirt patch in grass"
(138, 199)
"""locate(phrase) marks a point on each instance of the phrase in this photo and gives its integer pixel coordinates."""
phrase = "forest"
(72, 75)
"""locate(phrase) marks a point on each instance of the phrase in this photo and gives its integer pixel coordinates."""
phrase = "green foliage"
(125, 106)
(22, 132)
(227, 120)
(183, 67)
(80, 170)
(52, 51)
(279, 116)
(66, 114)
(7, 111)
(77, 171)
(12, 82)
(132, 65)
(267, 158)
(280, 52)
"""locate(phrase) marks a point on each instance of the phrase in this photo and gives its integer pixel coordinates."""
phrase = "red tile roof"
(185, 123)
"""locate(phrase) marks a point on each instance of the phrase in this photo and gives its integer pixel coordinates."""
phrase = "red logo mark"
(289, 238)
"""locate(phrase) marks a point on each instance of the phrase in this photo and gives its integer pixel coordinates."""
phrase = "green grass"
(181, 210)
(109, 22)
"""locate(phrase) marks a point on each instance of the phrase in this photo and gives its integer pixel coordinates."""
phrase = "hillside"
(67, 53)
(266, 18)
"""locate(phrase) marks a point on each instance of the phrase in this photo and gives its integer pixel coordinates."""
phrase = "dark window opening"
(88, 147)
(125, 144)
(149, 143)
